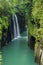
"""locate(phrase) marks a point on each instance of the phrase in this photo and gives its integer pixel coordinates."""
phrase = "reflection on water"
(18, 53)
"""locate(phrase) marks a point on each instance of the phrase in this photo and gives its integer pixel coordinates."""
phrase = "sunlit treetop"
(37, 10)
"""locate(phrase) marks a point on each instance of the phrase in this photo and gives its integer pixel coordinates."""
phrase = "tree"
(7, 8)
(37, 13)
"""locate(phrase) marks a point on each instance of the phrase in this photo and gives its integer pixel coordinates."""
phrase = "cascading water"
(16, 27)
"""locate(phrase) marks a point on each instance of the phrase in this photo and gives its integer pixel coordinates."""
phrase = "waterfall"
(16, 27)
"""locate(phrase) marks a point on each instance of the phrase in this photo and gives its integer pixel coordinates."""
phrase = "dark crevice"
(32, 21)
(32, 42)
(38, 25)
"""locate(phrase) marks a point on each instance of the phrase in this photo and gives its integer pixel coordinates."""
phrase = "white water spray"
(16, 27)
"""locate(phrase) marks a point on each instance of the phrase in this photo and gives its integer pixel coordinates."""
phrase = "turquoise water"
(18, 52)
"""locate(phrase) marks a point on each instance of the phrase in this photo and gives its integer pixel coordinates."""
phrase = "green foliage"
(0, 32)
(23, 6)
(37, 10)
(3, 23)
(31, 9)
(37, 13)
(8, 6)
